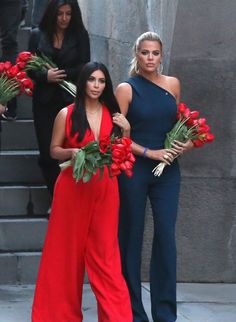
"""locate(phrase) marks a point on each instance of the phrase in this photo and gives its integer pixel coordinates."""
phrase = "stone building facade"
(199, 46)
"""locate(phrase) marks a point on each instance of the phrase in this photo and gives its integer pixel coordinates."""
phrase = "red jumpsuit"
(82, 233)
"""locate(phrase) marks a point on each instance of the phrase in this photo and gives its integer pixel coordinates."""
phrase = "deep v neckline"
(99, 128)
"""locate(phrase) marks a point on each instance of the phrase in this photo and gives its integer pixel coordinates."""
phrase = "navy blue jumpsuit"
(152, 113)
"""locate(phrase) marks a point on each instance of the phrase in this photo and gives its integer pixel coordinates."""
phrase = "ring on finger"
(165, 156)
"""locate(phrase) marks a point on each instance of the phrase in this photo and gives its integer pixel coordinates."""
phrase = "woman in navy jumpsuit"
(149, 101)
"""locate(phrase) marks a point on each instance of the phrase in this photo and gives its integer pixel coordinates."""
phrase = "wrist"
(145, 151)
(126, 133)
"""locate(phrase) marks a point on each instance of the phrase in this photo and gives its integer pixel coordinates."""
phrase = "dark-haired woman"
(82, 230)
(62, 37)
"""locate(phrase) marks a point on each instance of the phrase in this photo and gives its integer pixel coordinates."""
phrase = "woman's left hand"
(2, 109)
(120, 120)
(181, 147)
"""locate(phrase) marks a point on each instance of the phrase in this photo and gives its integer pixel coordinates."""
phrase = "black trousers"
(10, 14)
(44, 116)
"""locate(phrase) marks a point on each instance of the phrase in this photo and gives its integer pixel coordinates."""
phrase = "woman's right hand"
(73, 155)
(56, 75)
(163, 155)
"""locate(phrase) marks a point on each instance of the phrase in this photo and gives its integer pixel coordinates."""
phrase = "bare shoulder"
(124, 89)
(172, 81)
(62, 113)
(173, 85)
(124, 96)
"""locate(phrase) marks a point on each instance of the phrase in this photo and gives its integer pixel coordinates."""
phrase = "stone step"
(23, 201)
(22, 234)
(24, 107)
(19, 267)
(18, 135)
(20, 167)
(23, 38)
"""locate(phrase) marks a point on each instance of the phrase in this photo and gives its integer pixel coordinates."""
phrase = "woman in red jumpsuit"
(82, 230)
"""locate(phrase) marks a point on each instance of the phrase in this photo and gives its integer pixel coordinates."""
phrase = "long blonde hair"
(149, 35)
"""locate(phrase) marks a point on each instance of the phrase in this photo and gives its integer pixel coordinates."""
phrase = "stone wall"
(199, 44)
(114, 26)
(203, 57)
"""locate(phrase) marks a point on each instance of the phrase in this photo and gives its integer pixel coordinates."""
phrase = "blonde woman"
(149, 101)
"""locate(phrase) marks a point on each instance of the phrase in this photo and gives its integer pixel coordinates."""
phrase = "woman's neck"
(92, 106)
(153, 77)
(58, 38)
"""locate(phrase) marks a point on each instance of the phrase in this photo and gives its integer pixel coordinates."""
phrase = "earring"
(160, 68)
(136, 67)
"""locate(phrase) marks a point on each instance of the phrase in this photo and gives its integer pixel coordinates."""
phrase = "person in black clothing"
(63, 38)
(10, 14)
(2, 110)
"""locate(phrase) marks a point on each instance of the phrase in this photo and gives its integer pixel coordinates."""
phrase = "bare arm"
(58, 137)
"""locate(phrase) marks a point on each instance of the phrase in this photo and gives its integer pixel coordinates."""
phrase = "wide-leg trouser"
(82, 233)
(163, 193)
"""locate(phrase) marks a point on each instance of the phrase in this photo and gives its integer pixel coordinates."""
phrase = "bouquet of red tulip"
(115, 153)
(187, 127)
(28, 61)
(13, 82)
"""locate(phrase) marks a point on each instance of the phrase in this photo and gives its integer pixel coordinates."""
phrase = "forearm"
(164, 155)
(60, 153)
(126, 133)
(140, 150)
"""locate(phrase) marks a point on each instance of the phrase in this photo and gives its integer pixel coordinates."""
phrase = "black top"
(74, 53)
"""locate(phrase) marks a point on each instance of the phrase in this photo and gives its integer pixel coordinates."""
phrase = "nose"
(96, 83)
(150, 56)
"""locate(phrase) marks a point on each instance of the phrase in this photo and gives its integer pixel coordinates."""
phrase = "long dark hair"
(79, 118)
(48, 23)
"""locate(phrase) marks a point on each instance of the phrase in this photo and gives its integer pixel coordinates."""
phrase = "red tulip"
(126, 141)
(198, 143)
(12, 71)
(2, 67)
(129, 173)
(123, 166)
(7, 65)
(27, 82)
(201, 121)
(187, 113)
(21, 64)
(115, 170)
(21, 75)
(182, 107)
(104, 144)
(209, 137)
(24, 56)
(203, 128)
(129, 165)
(194, 114)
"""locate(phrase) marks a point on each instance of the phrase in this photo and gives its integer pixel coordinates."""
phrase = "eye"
(102, 81)
(156, 53)
(91, 79)
(144, 52)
